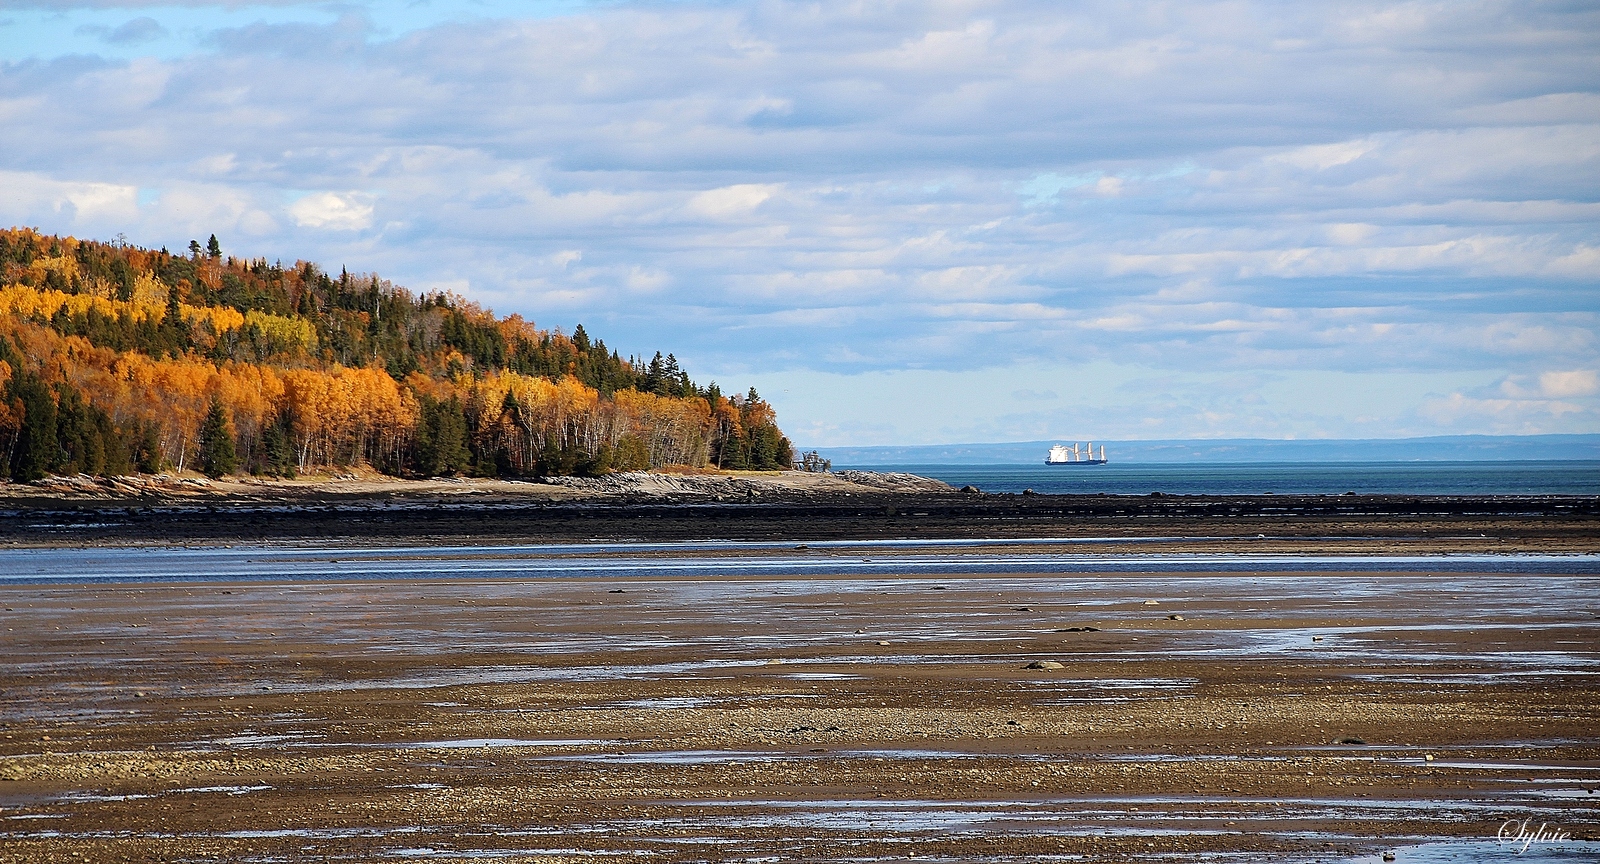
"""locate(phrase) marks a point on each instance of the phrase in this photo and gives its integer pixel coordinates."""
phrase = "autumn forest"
(116, 359)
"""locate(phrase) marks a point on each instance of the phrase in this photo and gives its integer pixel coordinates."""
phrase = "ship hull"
(1079, 462)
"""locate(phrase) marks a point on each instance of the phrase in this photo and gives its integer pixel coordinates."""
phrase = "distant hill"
(116, 359)
(1443, 448)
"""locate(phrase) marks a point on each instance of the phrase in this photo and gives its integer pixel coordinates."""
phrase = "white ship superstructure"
(1061, 454)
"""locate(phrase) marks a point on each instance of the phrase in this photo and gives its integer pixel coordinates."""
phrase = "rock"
(1388, 856)
(970, 489)
(883, 642)
(894, 481)
(1174, 617)
(1079, 630)
(1029, 492)
(1044, 664)
(1023, 609)
(1152, 602)
(1350, 741)
(1316, 638)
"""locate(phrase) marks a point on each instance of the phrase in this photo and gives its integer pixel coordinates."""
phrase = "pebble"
(1044, 664)
(1152, 602)
(1174, 617)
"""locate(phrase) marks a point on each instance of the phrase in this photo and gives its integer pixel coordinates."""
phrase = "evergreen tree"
(213, 248)
(217, 453)
(672, 377)
(307, 307)
(277, 454)
(147, 451)
(442, 438)
(35, 452)
(113, 444)
(655, 376)
(78, 433)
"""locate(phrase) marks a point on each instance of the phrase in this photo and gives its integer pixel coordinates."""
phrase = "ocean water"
(1256, 478)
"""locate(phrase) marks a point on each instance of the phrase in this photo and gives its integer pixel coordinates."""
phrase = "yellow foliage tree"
(347, 415)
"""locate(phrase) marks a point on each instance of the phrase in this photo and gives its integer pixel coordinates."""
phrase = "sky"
(903, 222)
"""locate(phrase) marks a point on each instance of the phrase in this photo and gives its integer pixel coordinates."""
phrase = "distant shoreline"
(1441, 448)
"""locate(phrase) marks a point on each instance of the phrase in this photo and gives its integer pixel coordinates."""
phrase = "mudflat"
(1300, 684)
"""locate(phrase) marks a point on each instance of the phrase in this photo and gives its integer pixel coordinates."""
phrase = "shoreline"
(773, 507)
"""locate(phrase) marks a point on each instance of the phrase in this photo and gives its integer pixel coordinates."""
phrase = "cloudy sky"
(905, 222)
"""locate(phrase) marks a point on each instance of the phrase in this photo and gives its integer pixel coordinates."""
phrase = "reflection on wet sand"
(660, 703)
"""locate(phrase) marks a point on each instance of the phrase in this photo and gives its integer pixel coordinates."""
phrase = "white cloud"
(1583, 262)
(1320, 157)
(33, 197)
(731, 201)
(1351, 233)
(642, 281)
(1509, 416)
(89, 200)
(332, 211)
(1574, 382)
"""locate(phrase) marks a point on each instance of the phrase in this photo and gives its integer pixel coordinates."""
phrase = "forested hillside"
(116, 359)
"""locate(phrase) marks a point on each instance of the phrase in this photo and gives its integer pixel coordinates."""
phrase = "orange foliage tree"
(131, 347)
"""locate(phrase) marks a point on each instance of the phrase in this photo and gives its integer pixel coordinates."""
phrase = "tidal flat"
(1137, 693)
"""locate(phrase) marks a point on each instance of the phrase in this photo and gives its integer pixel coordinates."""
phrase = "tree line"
(116, 359)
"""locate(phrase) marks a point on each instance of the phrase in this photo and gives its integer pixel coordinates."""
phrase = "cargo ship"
(1063, 455)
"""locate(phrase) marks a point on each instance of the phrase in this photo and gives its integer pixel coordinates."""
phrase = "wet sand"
(839, 701)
